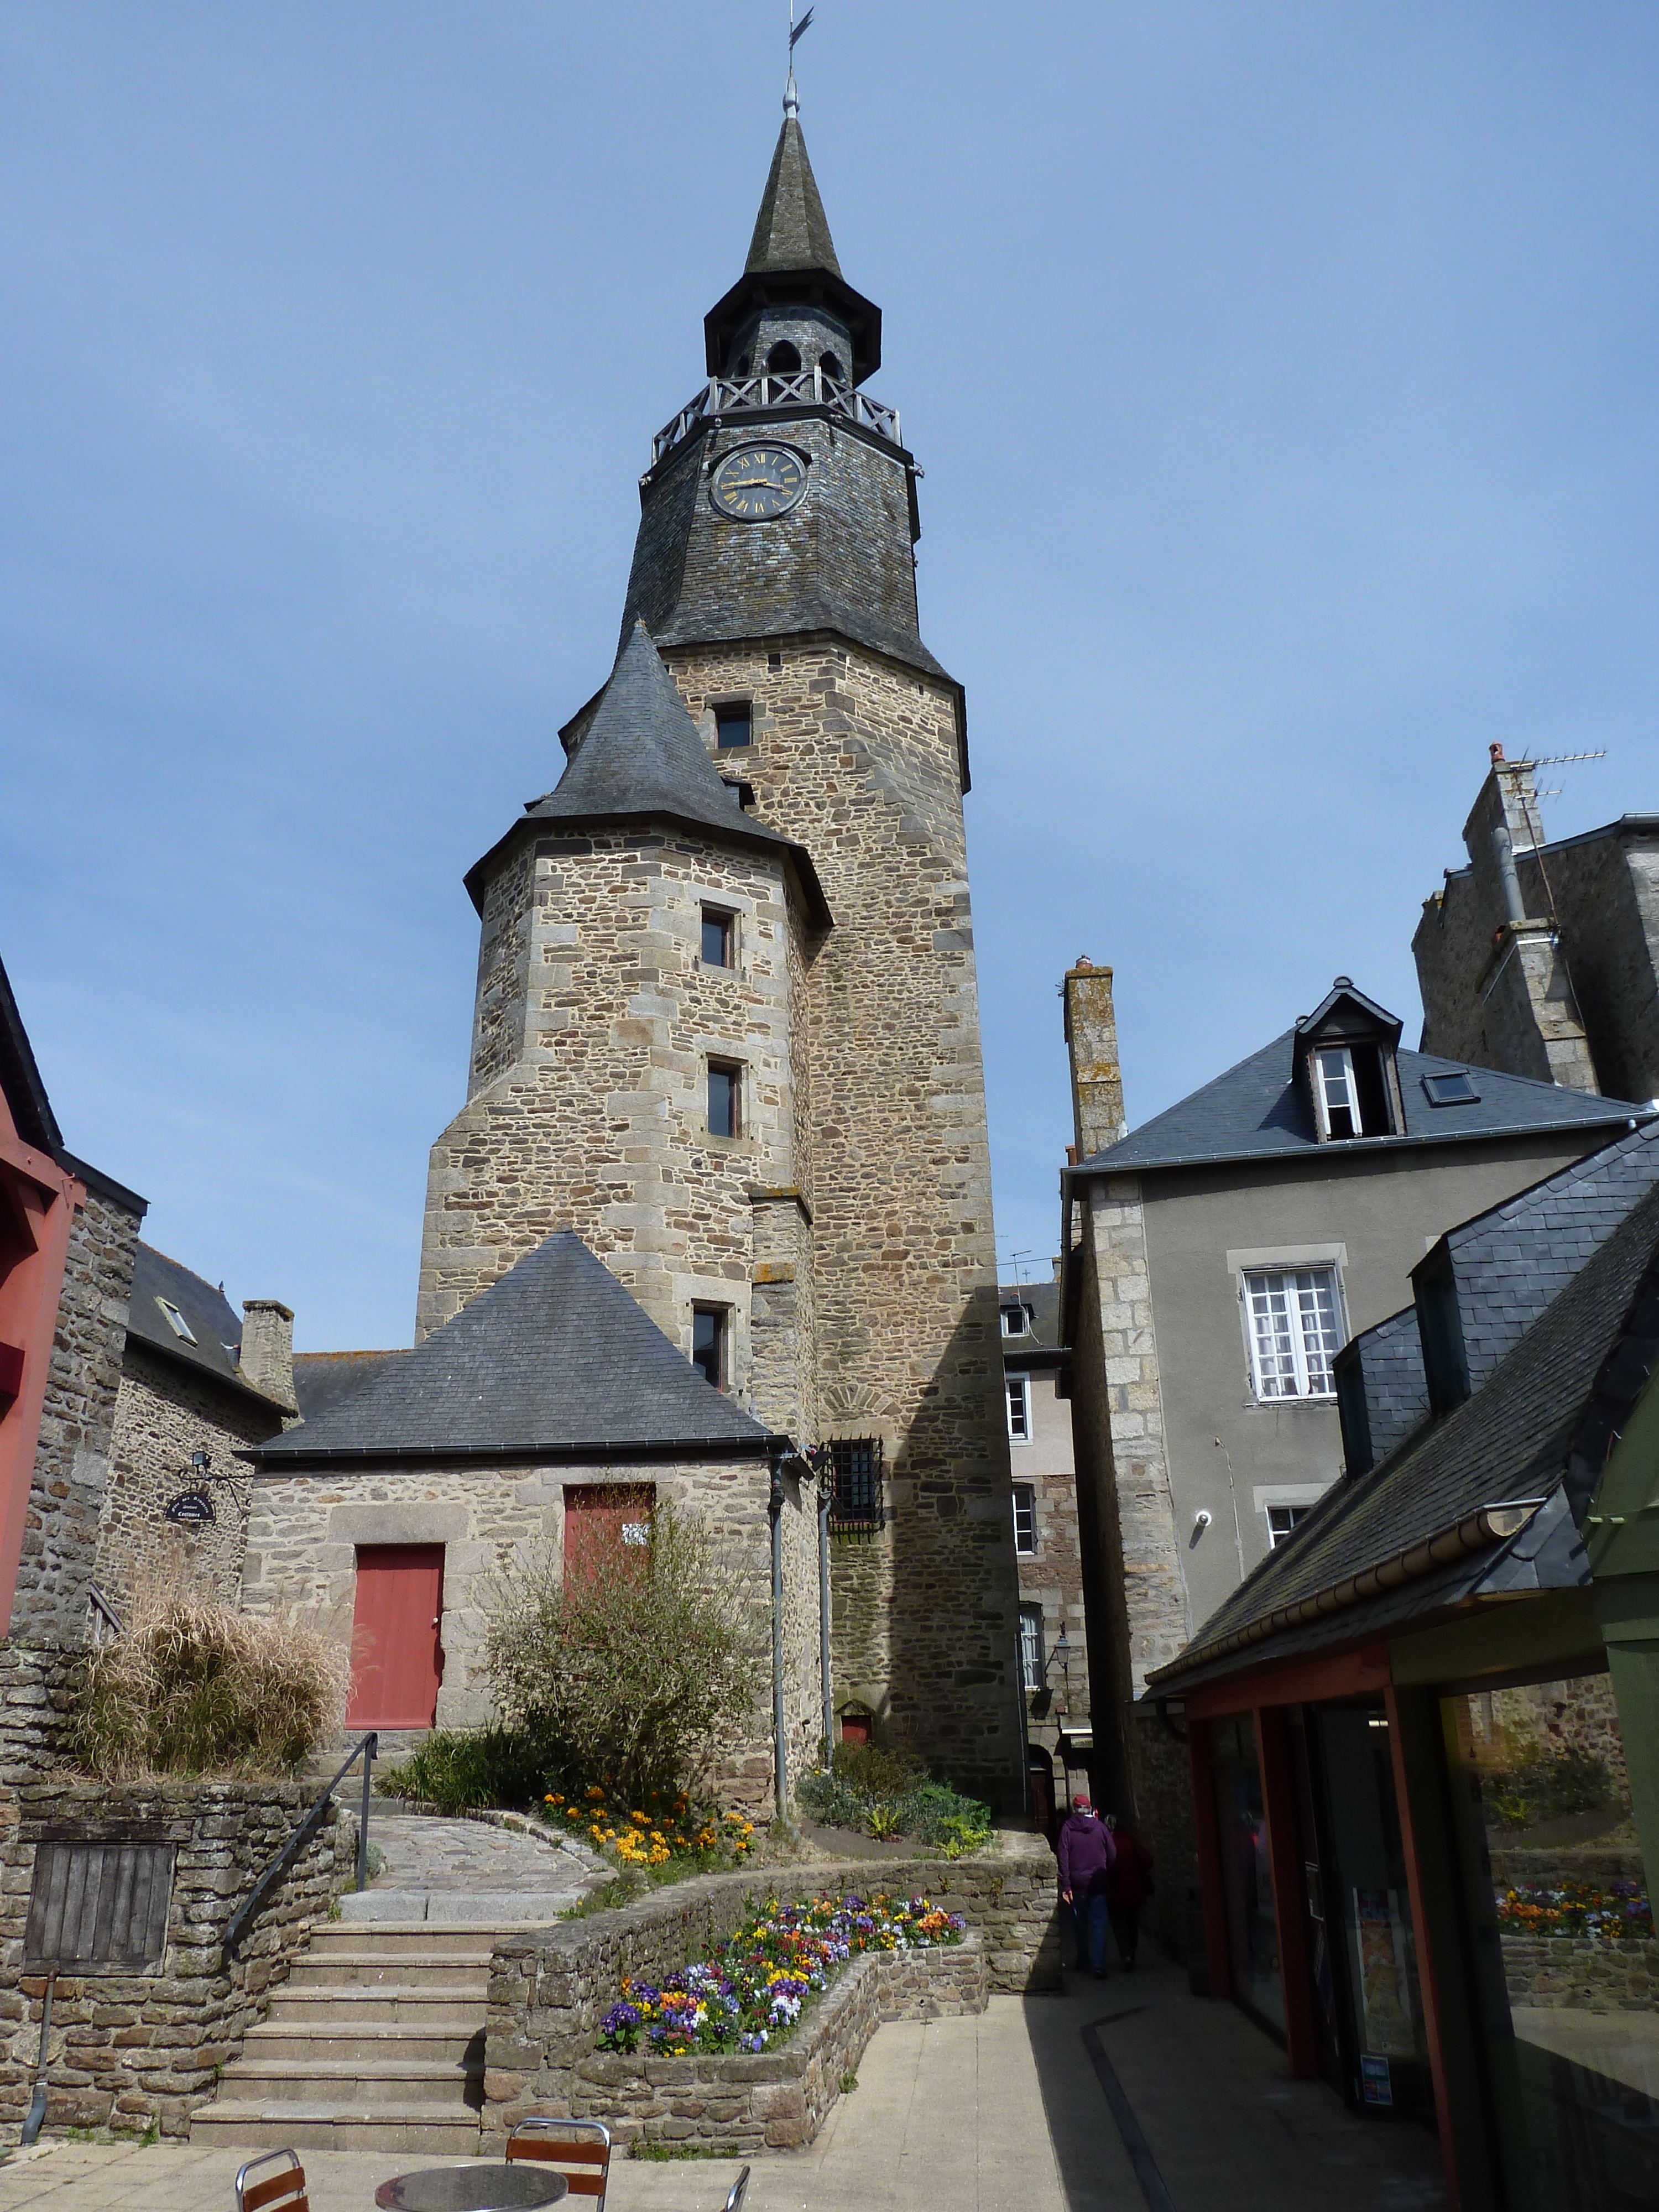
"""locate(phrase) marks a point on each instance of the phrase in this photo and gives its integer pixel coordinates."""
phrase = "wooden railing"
(803, 388)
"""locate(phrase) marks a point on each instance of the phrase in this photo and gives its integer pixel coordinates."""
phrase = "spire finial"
(797, 31)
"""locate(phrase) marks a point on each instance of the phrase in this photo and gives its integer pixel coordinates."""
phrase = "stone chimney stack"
(267, 1361)
(1091, 1041)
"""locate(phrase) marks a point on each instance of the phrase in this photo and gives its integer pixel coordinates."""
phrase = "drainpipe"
(781, 1755)
(1511, 882)
(823, 1610)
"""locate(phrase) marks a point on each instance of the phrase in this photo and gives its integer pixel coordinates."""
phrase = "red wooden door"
(607, 1527)
(397, 1663)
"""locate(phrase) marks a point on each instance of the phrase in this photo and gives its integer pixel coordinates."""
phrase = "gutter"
(622, 1449)
(1476, 1532)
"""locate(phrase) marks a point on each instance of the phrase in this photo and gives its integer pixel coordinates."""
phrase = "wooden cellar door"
(397, 1661)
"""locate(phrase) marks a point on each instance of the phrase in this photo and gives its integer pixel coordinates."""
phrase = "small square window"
(775, 663)
(1281, 1519)
(716, 937)
(1019, 1408)
(1017, 1320)
(176, 1321)
(733, 725)
(1025, 1517)
(1450, 1089)
(724, 1083)
(708, 1334)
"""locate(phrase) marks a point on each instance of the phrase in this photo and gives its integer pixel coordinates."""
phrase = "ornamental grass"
(1618, 1913)
(750, 1994)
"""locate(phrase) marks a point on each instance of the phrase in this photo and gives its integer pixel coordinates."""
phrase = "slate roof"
(1510, 1261)
(209, 1314)
(641, 758)
(1542, 1423)
(554, 1358)
(1390, 1356)
(1041, 1345)
(19, 1079)
(322, 1379)
(1256, 1110)
(792, 231)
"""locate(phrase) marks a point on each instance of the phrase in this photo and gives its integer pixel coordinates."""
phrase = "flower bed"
(665, 1828)
(749, 1995)
(1619, 1913)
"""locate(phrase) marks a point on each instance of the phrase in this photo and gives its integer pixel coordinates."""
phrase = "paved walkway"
(436, 1869)
(1004, 2113)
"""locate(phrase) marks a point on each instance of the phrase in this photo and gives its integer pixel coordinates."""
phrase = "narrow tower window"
(783, 359)
(733, 724)
(708, 1344)
(716, 937)
(724, 1085)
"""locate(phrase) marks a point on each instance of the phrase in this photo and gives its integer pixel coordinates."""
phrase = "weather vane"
(797, 31)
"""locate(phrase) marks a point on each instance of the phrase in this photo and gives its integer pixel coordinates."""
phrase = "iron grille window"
(855, 1491)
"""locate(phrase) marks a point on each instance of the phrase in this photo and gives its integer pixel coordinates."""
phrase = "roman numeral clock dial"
(752, 484)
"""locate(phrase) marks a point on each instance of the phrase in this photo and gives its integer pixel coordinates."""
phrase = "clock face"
(754, 482)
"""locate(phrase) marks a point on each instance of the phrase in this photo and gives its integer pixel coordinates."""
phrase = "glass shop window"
(1565, 1962)
(1247, 1887)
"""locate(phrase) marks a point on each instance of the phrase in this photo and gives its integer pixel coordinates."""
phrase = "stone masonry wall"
(776, 2100)
(164, 1413)
(550, 1987)
(588, 1099)
(1561, 1972)
(304, 1528)
(72, 1460)
(858, 758)
(131, 2051)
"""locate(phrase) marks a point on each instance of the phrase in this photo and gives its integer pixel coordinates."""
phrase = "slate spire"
(791, 230)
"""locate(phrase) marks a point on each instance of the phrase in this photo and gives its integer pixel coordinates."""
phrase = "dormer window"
(1017, 1320)
(176, 1321)
(1339, 1094)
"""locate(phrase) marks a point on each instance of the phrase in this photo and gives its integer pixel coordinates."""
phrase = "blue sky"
(1284, 378)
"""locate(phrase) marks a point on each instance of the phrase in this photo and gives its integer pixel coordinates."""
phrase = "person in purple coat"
(1085, 1852)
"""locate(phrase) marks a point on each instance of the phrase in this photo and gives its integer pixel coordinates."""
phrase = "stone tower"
(726, 1022)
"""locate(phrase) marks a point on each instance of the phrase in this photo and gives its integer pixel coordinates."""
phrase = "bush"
(194, 1688)
(638, 1664)
(460, 1771)
(884, 1794)
(1544, 1789)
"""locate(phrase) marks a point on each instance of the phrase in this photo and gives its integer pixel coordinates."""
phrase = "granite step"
(425, 2045)
(459, 1908)
(360, 2079)
(317, 2124)
(432, 2004)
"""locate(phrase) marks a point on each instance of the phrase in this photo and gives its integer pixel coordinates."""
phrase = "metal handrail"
(804, 388)
(302, 1836)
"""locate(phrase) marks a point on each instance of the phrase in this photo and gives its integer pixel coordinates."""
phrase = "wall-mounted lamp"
(1200, 1523)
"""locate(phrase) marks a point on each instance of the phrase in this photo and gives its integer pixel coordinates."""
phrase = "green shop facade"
(1424, 1740)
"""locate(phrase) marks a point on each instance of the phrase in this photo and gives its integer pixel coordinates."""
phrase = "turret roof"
(791, 230)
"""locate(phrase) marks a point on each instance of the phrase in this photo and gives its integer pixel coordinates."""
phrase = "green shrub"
(193, 1688)
(460, 1771)
(639, 1665)
(886, 1795)
(1548, 1788)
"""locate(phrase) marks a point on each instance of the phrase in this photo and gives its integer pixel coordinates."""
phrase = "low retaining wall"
(777, 2100)
(1576, 1972)
(131, 2050)
(550, 1988)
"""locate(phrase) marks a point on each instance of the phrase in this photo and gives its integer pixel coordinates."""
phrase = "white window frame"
(1024, 1317)
(1279, 1341)
(1027, 1550)
(1031, 1648)
(1343, 1075)
(1016, 1389)
(1277, 1536)
(175, 1321)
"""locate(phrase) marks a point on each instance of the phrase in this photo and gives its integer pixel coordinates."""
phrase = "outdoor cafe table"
(479, 2186)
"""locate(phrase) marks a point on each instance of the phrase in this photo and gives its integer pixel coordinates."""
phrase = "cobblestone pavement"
(419, 1852)
(1004, 2113)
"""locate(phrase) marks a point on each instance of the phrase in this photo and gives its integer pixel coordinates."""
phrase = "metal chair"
(738, 2190)
(580, 2149)
(277, 2192)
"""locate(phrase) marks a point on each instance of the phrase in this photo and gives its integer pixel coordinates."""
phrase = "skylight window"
(176, 1320)
(1454, 1089)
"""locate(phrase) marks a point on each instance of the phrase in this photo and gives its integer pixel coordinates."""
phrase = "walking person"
(1086, 1855)
(1128, 1887)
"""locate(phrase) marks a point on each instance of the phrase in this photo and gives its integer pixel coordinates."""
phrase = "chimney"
(267, 1358)
(1091, 1041)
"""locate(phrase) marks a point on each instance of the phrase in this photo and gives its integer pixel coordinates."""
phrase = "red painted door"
(607, 1527)
(397, 1663)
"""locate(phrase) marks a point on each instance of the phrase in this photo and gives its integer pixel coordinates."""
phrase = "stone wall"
(163, 1412)
(304, 1528)
(775, 2100)
(129, 2051)
(550, 1987)
(36, 1688)
(72, 1460)
(1576, 1973)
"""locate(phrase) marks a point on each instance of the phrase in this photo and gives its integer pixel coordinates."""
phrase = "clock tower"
(773, 1133)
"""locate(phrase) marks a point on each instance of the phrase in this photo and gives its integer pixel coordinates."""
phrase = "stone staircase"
(375, 2041)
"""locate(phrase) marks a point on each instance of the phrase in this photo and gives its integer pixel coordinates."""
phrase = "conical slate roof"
(791, 230)
(557, 1357)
